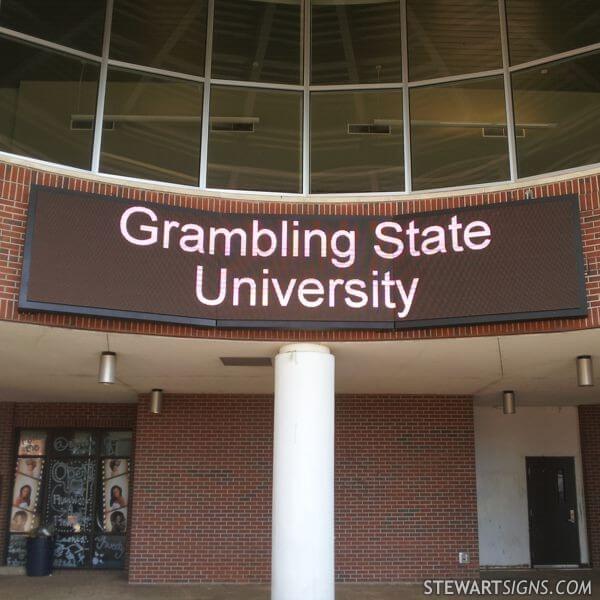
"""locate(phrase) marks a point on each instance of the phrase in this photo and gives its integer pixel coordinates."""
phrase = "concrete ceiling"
(53, 364)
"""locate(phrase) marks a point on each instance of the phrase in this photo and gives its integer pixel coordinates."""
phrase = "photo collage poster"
(115, 495)
(28, 479)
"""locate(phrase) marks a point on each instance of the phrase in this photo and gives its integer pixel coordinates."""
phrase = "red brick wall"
(405, 489)
(406, 500)
(42, 415)
(589, 426)
(15, 182)
(69, 414)
(202, 491)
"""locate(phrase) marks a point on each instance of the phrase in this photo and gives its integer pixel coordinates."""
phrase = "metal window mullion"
(555, 57)
(508, 99)
(210, 19)
(36, 41)
(405, 99)
(99, 120)
(306, 36)
(258, 84)
(120, 64)
(355, 86)
(456, 78)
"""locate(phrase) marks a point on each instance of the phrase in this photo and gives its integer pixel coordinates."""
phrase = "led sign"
(107, 256)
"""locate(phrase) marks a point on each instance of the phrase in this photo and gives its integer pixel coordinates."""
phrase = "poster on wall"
(24, 510)
(21, 521)
(32, 443)
(115, 495)
(26, 490)
(114, 467)
(116, 521)
(30, 466)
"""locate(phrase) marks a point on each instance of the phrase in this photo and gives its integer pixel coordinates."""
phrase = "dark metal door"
(552, 499)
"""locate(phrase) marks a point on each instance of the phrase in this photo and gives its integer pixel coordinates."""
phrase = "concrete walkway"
(88, 585)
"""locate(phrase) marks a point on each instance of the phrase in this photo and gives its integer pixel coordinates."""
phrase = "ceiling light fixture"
(156, 401)
(585, 371)
(107, 371)
(508, 402)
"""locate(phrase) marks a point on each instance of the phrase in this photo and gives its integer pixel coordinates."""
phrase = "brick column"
(589, 426)
(7, 410)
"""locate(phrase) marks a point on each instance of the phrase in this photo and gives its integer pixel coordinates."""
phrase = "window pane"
(71, 550)
(16, 552)
(117, 443)
(458, 134)
(446, 37)
(357, 142)
(255, 140)
(74, 23)
(557, 114)
(540, 28)
(257, 40)
(152, 127)
(160, 33)
(47, 104)
(70, 489)
(73, 443)
(109, 552)
(356, 41)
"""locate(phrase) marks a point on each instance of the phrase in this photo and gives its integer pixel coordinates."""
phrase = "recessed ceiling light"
(247, 361)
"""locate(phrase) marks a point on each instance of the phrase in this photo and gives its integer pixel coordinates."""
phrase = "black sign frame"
(580, 310)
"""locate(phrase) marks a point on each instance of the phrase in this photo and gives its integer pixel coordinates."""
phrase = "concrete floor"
(87, 585)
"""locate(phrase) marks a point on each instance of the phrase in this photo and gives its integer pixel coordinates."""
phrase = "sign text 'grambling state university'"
(106, 256)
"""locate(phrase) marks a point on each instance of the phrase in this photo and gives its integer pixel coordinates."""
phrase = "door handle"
(572, 516)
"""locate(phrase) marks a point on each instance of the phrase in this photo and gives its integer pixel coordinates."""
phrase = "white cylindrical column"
(303, 468)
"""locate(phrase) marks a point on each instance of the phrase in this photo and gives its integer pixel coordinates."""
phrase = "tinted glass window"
(160, 33)
(152, 127)
(557, 115)
(356, 41)
(73, 443)
(459, 134)
(74, 23)
(357, 141)
(47, 104)
(539, 28)
(258, 40)
(116, 443)
(255, 139)
(446, 37)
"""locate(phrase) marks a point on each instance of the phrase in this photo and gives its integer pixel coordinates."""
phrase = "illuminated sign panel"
(105, 256)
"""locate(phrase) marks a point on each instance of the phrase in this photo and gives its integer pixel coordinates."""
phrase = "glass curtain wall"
(303, 96)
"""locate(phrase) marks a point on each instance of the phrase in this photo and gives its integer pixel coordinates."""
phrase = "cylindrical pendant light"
(508, 402)
(585, 371)
(107, 372)
(156, 400)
